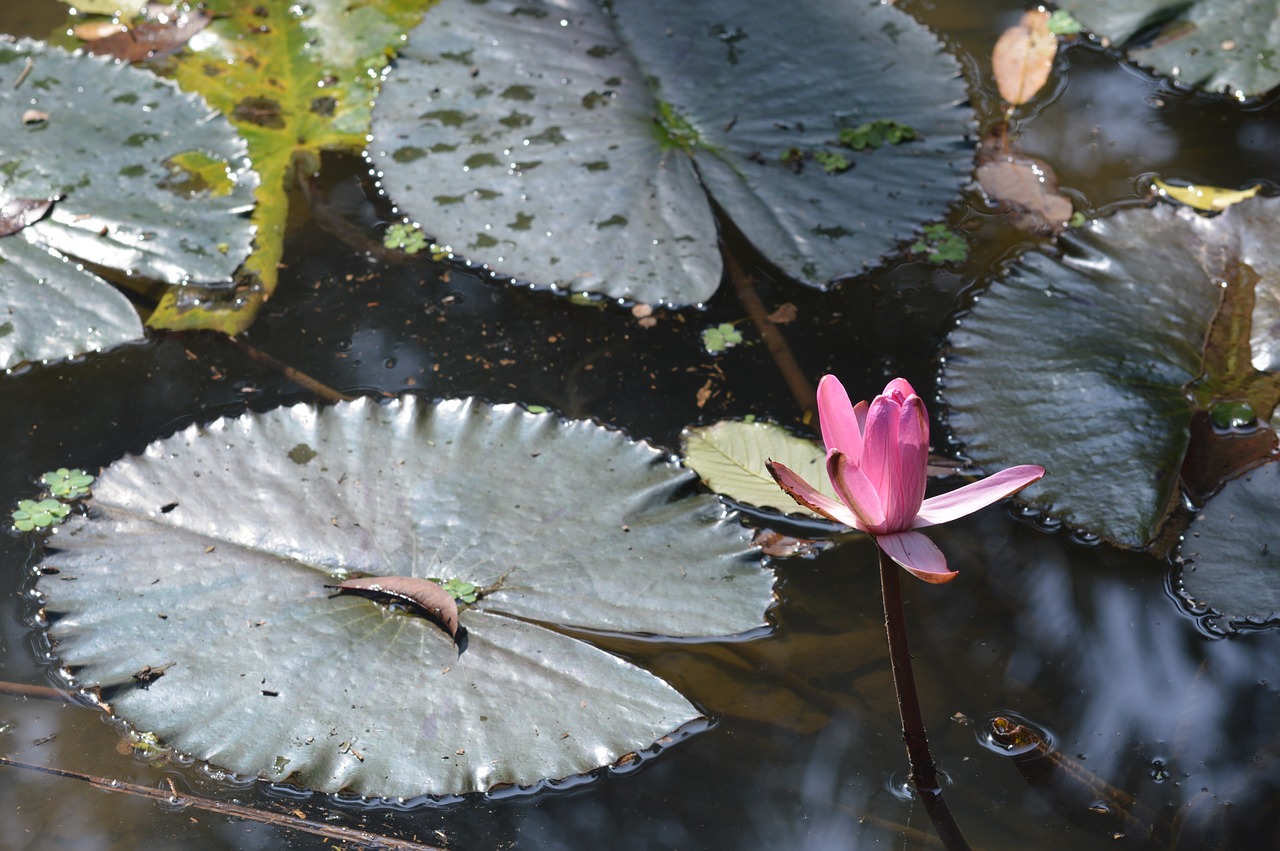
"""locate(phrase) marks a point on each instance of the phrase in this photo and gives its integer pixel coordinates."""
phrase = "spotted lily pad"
(1084, 362)
(1230, 557)
(584, 144)
(296, 79)
(210, 552)
(112, 148)
(1215, 45)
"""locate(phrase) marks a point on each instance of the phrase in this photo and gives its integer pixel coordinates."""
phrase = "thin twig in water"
(173, 799)
(324, 391)
(38, 692)
(801, 387)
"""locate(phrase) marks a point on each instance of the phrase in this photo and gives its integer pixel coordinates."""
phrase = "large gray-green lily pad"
(150, 183)
(1230, 556)
(210, 553)
(1082, 364)
(1215, 45)
(584, 144)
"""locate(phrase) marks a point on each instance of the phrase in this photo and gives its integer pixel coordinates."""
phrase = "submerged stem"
(924, 772)
(786, 362)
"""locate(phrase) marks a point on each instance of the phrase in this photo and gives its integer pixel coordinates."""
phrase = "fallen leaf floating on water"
(423, 594)
(1024, 187)
(1210, 198)
(151, 39)
(1023, 57)
(18, 213)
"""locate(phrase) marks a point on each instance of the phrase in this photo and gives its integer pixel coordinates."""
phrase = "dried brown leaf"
(1023, 58)
(21, 212)
(151, 39)
(1027, 188)
(784, 314)
(423, 594)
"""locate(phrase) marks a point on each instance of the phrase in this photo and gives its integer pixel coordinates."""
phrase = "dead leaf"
(151, 39)
(1212, 199)
(21, 212)
(1023, 57)
(423, 594)
(778, 545)
(784, 314)
(1023, 186)
(704, 393)
(94, 30)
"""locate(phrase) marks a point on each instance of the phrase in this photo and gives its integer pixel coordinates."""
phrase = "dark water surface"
(1155, 717)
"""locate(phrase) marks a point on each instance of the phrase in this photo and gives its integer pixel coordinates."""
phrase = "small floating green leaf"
(67, 484)
(941, 244)
(406, 237)
(31, 515)
(723, 336)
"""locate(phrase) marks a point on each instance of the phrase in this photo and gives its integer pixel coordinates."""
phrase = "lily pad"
(730, 456)
(585, 145)
(209, 553)
(108, 149)
(1230, 557)
(297, 79)
(1083, 362)
(1215, 45)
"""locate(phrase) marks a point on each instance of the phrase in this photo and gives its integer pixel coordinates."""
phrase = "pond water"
(1156, 719)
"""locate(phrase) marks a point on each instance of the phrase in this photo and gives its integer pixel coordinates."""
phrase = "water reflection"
(1087, 644)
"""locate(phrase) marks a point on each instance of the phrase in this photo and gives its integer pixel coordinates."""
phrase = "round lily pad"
(1230, 556)
(207, 558)
(585, 145)
(145, 180)
(1081, 363)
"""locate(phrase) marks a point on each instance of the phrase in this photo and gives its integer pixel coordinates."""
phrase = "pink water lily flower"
(877, 457)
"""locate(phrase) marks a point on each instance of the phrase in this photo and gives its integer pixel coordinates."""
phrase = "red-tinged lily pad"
(114, 144)
(585, 145)
(1084, 362)
(209, 553)
(1230, 556)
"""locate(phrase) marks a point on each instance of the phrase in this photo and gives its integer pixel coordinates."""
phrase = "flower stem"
(924, 772)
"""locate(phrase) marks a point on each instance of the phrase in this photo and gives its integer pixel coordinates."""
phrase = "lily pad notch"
(209, 553)
(648, 117)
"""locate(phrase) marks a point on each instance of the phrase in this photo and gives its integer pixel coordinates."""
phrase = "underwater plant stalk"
(924, 772)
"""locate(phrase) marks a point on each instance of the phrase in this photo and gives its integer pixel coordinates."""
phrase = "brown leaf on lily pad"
(1024, 187)
(151, 39)
(423, 594)
(18, 213)
(1023, 57)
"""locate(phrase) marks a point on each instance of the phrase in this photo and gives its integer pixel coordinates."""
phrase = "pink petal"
(880, 459)
(913, 462)
(899, 385)
(918, 555)
(856, 492)
(841, 428)
(979, 494)
(809, 496)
